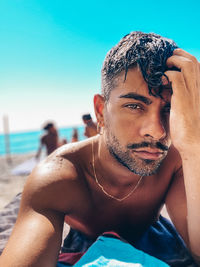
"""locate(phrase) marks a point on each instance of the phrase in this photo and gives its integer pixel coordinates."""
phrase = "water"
(27, 142)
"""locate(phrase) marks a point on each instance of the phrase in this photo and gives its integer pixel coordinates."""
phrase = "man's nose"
(153, 127)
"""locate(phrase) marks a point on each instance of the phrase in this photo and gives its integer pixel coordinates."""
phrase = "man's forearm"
(191, 171)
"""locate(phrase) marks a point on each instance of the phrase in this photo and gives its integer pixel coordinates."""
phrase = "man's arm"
(185, 135)
(37, 235)
(177, 206)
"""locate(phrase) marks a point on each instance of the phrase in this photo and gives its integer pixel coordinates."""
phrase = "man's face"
(53, 130)
(137, 124)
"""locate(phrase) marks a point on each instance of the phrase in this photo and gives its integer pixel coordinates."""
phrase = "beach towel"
(161, 241)
(111, 250)
(8, 217)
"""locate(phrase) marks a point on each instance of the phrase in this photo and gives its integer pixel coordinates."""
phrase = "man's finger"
(177, 80)
(183, 53)
(188, 69)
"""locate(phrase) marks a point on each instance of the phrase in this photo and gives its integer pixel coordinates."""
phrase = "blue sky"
(51, 52)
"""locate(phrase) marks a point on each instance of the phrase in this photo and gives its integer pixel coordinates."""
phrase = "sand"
(10, 185)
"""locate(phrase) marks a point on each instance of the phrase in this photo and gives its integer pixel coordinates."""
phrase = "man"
(49, 140)
(90, 126)
(147, 154)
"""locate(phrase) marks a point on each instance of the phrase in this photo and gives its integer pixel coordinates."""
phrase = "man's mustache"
(151, 145)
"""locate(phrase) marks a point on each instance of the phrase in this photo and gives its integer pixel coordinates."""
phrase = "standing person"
(90, 126)
(146, 155)
(49, 140)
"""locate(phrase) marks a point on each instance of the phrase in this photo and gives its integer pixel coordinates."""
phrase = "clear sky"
(51, 51)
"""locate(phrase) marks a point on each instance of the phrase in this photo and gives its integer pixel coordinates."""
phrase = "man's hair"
(148, 51)
(86, 117)
(48, 126)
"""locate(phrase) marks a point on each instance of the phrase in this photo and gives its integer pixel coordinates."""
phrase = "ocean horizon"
(28, 141)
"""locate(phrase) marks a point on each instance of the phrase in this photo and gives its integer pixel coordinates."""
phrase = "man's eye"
(133, 106)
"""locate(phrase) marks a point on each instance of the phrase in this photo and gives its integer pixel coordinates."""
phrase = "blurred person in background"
(49, 140)
(90, 125)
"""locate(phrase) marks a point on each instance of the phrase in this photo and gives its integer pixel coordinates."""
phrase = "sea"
(28, 142)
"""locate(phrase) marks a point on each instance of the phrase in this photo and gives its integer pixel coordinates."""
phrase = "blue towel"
(109, 251)
(160, 240)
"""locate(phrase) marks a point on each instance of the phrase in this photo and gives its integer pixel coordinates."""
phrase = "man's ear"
(99, 103)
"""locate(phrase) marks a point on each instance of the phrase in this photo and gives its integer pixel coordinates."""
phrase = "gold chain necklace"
(102, 188)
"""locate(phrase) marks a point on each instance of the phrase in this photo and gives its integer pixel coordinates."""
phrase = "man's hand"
(185, 101)
(185, 135)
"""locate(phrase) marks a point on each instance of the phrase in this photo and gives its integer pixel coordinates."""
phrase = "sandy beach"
(10, 184)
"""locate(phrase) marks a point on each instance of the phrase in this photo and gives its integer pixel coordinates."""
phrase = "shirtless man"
(147, 154)
(50, 140)
(90, 126)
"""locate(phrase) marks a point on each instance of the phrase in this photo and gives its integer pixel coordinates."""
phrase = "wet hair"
(148, 51)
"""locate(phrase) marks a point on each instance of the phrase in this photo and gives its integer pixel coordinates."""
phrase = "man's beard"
(124, 156)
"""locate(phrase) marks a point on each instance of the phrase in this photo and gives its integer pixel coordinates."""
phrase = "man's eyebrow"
(135, 96)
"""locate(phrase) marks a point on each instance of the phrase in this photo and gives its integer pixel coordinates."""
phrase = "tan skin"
(90, 128)
(64, 183)
(49, 140)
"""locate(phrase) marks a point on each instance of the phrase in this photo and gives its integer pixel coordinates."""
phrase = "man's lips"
(148, 153)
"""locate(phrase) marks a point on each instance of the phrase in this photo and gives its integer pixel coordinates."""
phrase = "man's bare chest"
(130, 217)
(134, 215)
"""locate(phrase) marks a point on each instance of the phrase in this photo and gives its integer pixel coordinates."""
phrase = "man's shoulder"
(63, 164)
(56, 179)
